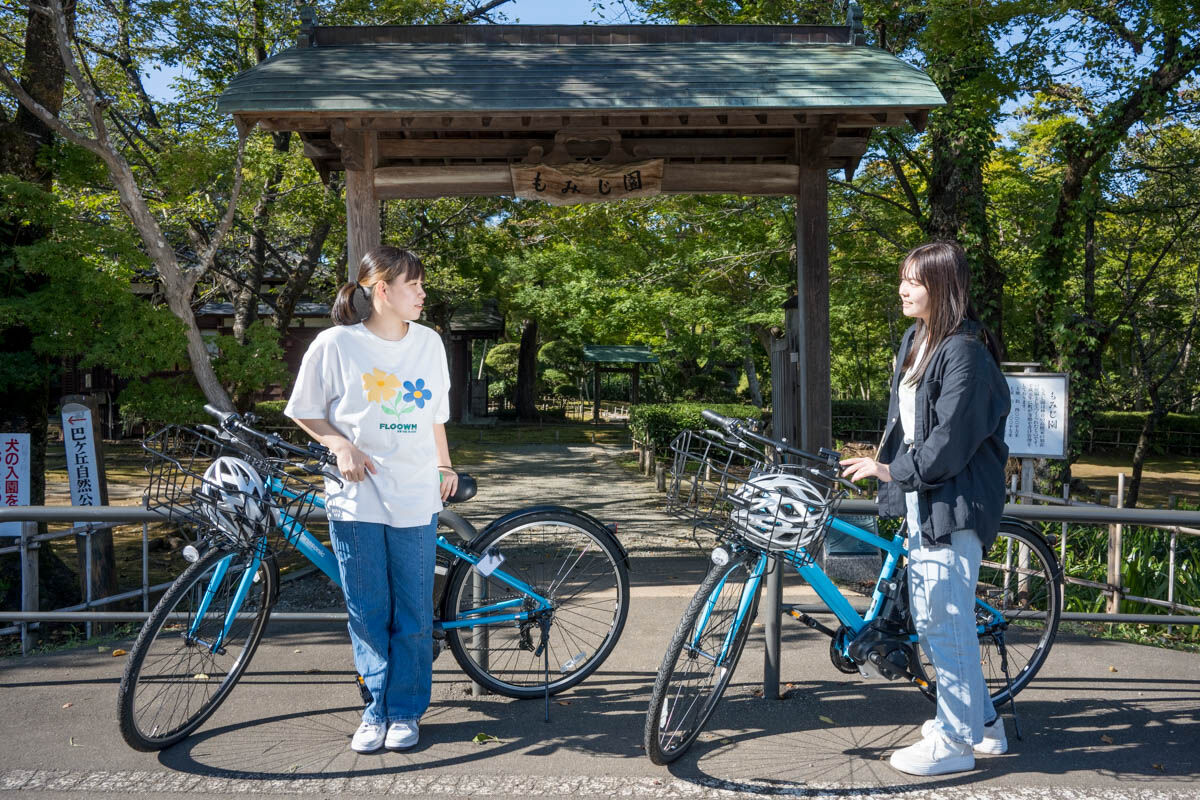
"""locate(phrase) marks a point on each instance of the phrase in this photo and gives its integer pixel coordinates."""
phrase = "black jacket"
(956, 463)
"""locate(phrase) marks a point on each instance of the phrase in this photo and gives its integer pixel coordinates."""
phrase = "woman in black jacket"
(941, 466)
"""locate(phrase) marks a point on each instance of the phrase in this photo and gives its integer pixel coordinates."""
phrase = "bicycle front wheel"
(568, 559)
(184, 662)
(701, 658)
(1018, 602)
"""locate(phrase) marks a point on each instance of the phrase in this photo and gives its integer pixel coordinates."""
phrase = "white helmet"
(234, 497)
(779, 511)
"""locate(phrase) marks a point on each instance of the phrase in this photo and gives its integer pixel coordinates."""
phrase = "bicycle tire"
(1030, 600)
(571, 560)
(690, 682)
(158, 703)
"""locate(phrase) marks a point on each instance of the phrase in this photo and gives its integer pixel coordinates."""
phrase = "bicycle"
(1018, 597)
(530, 606)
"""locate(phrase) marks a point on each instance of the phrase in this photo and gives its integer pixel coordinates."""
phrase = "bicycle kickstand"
(544, 649)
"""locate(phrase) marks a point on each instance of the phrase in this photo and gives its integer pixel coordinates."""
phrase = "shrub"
(657, 425)
(162, 401)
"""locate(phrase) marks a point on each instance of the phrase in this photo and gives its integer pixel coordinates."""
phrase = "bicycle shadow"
(825, 737)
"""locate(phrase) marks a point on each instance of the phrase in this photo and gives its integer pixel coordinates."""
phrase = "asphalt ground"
(1103, 719)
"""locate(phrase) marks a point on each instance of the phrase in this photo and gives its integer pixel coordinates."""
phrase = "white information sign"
(82, 470)
(1037, 421)
(14, 450)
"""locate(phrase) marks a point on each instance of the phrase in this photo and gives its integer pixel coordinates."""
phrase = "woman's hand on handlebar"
(861, 467)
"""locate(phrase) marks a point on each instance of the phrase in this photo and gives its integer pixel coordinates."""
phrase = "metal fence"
(1173, 523)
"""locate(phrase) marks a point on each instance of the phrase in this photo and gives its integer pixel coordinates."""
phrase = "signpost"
(14, 449)
(85, 473)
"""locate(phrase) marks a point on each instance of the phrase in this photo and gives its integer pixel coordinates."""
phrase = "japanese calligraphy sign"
(1037, 422)
(14, 458)
(83, 471)
(567, 184)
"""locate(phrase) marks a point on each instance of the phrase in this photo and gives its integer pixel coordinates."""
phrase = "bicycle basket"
(193, 480)
(705, 471)
(783, 508)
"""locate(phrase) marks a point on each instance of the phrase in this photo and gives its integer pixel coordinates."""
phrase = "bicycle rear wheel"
(570, 560)
(700, 661)
(1019, 579)
(175, 679)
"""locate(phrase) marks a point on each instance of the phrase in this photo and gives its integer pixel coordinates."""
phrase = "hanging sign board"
(83, 471)
(567, 184)
(1037, 421)
(14, 452)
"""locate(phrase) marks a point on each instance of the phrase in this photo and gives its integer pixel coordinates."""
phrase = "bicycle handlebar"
(232, 421)
(740, 430)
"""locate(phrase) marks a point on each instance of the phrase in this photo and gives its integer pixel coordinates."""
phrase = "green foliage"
(162, 401)
(270, 414)
(659, 424)
(253, 366)
(501, 361)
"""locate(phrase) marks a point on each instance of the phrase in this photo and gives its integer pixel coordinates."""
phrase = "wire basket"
(178, 489)
(734, 490)
(705, 470)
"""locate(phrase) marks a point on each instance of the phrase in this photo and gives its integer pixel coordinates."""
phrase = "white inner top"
(908, 400)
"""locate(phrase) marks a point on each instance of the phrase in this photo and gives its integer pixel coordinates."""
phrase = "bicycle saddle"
(466, 489)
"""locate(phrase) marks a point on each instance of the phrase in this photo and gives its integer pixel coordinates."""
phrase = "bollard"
(660, 477)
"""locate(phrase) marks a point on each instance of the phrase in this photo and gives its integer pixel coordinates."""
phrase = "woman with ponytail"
(941, 466)
(374, 389)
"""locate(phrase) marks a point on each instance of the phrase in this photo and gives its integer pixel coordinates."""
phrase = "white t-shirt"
(384, 397)
(908, 400)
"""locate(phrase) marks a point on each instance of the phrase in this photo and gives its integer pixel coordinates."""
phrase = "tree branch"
(476, 13)
(881, 198)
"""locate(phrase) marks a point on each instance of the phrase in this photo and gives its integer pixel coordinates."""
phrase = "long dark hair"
(381, 264)
(942, 268)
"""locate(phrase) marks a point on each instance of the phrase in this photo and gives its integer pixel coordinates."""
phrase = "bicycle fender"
(583, 516)
(1034, 532)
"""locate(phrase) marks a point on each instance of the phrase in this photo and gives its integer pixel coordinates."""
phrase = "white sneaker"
(401, 735)
(934, 755)
(994, 743)
(368, 738)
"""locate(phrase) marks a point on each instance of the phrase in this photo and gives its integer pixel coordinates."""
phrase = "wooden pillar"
(359, 153)
(634, 389)
(459, 355)
(812, 281)
(595, 393)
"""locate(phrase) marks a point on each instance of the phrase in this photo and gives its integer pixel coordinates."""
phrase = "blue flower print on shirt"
(416, 392)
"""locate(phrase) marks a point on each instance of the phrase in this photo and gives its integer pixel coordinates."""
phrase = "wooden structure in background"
(450, 110)
(597, 354)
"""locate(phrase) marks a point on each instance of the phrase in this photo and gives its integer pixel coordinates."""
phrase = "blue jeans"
(387, 577)
(941, 591)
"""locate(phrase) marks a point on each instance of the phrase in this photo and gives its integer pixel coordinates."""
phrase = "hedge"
(658, 424)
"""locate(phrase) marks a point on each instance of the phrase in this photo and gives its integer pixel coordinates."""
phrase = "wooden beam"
(489, 180)
(426, 182)
(362, 207)
(518, 148)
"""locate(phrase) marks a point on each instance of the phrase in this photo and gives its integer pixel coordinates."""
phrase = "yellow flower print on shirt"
(380, 386)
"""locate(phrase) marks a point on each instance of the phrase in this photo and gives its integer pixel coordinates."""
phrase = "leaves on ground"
(826, 720)
(67, 705)
(1106, 739)
(119, 652)
(484, 738)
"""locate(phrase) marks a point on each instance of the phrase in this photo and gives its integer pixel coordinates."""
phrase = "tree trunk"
(527, 373)
(1145, 441)
(297, 282)
(752, 379)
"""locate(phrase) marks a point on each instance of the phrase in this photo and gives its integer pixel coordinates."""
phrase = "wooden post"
(660, 477)
(1114, 552)
(596, 393)
(634, 389)
(359, 152)
(812, 282)
(29, 582)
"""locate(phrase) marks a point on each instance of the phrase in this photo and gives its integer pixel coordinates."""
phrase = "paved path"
(1103, 720)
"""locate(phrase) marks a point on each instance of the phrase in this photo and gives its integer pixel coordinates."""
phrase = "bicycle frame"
(323, 559)
(825, 588)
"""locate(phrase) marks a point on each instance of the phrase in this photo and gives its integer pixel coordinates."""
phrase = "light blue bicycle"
(768, 500)
(530, 606)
